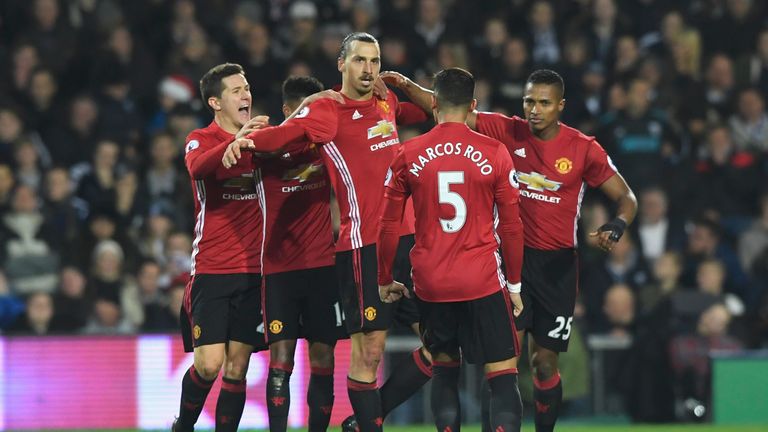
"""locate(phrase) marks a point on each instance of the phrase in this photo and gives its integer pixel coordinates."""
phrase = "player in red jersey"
(221, 308)
(300, 295)
(555, 164)
(460, 182)
(359, 140)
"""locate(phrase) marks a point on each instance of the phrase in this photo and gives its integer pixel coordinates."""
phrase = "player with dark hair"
(460, 182)
(555, 164)
(359, 140)
(221, 309)
(300, 295)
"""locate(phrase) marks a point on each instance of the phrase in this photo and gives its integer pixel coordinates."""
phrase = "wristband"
(616, 227)
(514, 288)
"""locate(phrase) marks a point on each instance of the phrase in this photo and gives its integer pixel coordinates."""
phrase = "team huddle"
(466, 234)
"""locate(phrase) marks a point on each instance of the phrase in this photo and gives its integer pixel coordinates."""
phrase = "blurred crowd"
(97, 96)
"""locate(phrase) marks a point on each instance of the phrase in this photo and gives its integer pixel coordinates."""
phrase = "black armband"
(616, 227)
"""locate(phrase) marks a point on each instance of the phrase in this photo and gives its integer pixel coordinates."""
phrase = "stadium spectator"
(26, 245)
(656, 230)
(72, 303)
(37, 317)
(749, 126)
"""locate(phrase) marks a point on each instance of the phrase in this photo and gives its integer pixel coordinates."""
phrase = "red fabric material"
(360, 386)
(548, 383)
(509, 371)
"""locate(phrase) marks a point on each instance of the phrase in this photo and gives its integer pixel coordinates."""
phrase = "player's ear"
(434, 102)
(473, 105)
(340, 64)
(286, 110)
(561, 105)
(214, 103)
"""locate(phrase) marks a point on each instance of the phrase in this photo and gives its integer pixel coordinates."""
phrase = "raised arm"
(416, 93)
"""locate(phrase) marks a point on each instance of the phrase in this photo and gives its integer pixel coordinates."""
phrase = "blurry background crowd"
(97, 96)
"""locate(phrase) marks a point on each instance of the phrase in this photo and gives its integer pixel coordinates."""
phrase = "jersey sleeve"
(510, 227)
(495, 125)
(409, 113)
(395, 195)
(284, 138)
(319, 120)
(202, 159)
(598, 166)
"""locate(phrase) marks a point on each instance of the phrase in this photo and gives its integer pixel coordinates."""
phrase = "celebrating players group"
(465, 234)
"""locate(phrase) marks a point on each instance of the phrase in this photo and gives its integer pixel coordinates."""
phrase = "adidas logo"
(520, 152)
(356, 115)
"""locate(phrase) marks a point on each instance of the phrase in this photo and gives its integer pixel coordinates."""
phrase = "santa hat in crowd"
(178, 87)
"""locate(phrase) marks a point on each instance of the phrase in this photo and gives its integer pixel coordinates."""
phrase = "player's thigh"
(552, 285)
(439, 327)
(282, 293)
(245, 310)
(207, 310)
(488, 332)
(356, 271)
(321, 315)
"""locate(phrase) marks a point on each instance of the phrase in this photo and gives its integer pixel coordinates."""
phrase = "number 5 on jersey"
(445, 196)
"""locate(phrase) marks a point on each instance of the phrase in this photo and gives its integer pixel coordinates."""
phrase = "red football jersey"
(295, 195)
(359, 142)
(460, 181)
(553, 176)
(228, 227)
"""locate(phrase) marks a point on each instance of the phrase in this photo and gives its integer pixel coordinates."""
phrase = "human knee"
(281, 355)
(321, 355)
(209, 367)
(544, 364)
(236, 369)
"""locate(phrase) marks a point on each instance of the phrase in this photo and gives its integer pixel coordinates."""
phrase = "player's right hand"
(252, 125)
(395, 79)
(393, 292)
(233, 153)
(517, 303)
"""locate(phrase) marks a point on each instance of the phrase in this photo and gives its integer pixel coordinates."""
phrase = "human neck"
(226, 124)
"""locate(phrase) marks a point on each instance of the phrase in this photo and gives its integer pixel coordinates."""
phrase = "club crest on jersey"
(383, 129)
(538, 182)
(196, 332)
(370, 313)
(276, 326)
(563, 165)
(383, 106)
(304, 172)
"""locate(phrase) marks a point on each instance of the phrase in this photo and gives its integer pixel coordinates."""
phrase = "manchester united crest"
(370, 313)
(276, 326)
(196, 332)
(563, 165)
(383, 106)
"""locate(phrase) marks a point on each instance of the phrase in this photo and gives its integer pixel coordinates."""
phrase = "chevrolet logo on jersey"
(244, 182)
(304, 172)
(538, 182)
(383, 129)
